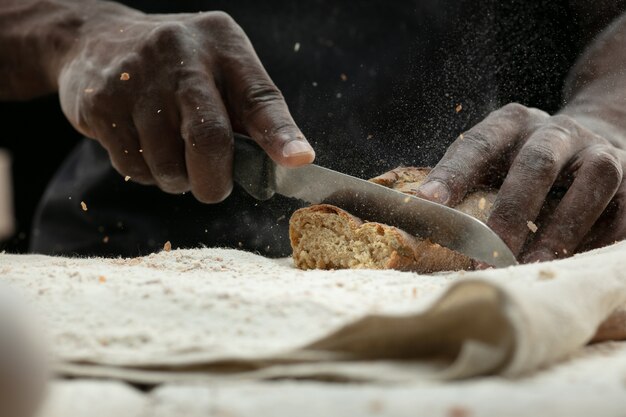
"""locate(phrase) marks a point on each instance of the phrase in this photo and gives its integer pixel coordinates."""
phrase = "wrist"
(597, 107)
(38, 37)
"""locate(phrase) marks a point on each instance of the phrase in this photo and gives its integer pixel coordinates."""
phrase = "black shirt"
(372, 84)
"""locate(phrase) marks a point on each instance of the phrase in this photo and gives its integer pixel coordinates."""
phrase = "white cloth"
(231, 319)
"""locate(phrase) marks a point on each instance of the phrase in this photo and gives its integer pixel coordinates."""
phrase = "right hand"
(163, 94)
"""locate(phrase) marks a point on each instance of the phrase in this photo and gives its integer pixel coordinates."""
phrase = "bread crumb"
(168, 246)
(482, 203)
(375, 406)
(89, 90)
(105, 239)
(102, 279)
(125, 76)
(127, 178)
(532, 226)
(296, 47)
(458, 107)
(343, 77)
(407, 199)
(83, 205)
(461, 136)
(495, 254)
(458, 412)
(545, 274)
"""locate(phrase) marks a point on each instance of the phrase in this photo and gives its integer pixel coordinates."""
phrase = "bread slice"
(327, 237)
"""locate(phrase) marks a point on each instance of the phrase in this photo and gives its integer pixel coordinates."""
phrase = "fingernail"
(435, 191)
(297, 148)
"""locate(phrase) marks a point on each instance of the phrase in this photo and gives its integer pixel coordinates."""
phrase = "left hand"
(533, 152)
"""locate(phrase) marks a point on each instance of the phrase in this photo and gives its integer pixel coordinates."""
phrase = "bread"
(327, 237)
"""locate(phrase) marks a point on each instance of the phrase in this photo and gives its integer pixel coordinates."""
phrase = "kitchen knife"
(262, 178)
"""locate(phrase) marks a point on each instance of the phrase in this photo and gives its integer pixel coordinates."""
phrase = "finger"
(161, 145)
(208, 139)
(595, 184)
(530, 178)
(478, 153)
(611, 226)
(258, 105)
(121, 141)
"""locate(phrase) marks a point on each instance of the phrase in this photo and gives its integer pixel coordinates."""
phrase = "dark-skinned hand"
(164, 93)
(531, 153)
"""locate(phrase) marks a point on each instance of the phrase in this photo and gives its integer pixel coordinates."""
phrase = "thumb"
(273, 128)
(259, 107)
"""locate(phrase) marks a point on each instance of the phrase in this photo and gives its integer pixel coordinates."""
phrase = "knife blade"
(313, 184)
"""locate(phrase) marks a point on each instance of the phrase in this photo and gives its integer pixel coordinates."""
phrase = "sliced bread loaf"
(327, 237)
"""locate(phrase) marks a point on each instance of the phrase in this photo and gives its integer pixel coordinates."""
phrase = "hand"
(533, 152)
(163, 94)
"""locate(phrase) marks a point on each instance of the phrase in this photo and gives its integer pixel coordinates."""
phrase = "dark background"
(486, 54)
(38, 136)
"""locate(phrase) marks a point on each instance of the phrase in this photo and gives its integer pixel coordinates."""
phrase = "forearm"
(595, 91)
(36, 39)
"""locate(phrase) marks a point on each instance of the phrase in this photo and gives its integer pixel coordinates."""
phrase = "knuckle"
(515, 109)
(606, 166)
(193, 86)
(260, 94)
(222, 18)
(539, 160)
(211, 137)
(99, 99)
(519, 112)
(219, 22)
(563, 127)
(478, 142)
(507, 212)
(562, 121)
(556, 130)
(167, 35)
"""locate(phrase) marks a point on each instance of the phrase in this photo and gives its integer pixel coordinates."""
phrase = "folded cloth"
(203, 314)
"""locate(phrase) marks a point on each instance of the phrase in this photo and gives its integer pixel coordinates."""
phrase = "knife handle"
(254, 171)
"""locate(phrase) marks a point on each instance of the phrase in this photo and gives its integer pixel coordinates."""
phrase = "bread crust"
(327, 237)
